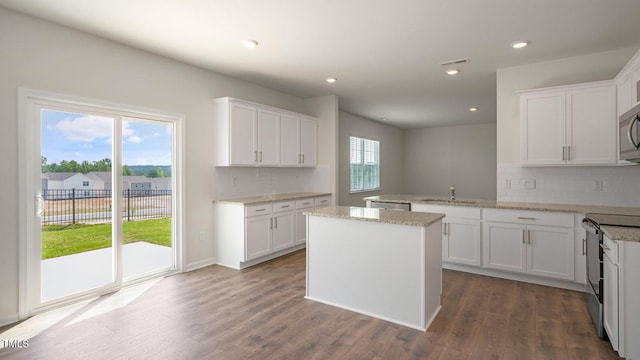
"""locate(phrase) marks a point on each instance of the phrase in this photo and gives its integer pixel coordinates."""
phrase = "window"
(365, 164)
(85, 183)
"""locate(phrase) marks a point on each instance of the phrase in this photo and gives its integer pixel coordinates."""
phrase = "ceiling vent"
(455, 62)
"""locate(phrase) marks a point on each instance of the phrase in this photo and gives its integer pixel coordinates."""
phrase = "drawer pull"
(285, 206)
(306, 203)
(261, 210)
(526, 218)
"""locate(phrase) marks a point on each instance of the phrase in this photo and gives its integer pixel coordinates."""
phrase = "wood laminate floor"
(260, 313)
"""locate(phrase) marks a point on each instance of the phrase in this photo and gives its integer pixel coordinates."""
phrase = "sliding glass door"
(105, 213)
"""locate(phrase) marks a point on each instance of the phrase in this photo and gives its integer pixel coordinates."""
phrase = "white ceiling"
(385, 53)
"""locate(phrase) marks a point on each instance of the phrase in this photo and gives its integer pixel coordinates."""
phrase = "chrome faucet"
(453, 193)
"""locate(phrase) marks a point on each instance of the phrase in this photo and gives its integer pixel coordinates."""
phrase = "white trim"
(9, 319)
(200, 264)
(27, 128)
(516, 277)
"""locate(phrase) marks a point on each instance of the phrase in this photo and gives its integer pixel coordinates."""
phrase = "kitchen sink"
(440, 201)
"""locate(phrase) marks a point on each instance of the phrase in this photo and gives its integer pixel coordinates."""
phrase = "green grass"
(60, 240)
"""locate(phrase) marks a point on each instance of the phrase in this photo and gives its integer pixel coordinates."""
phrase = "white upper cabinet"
(543, 128)
(289, 140)
(298, 141)
(249, 134)
(242, 135)
(569, 125)
(268, 137)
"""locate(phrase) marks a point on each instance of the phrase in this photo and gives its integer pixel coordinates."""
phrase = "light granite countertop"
(377, 215)
(493, 204)
(621, 233)
(249, 200)
(614, 232)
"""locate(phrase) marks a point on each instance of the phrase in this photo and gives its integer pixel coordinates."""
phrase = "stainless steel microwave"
(630, 135)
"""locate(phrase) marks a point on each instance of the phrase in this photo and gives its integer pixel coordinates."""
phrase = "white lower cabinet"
(258, 237)
(247, 235)
(301, 221)
(610, 296)
(460, 233)
(283, 230)
(534, 249)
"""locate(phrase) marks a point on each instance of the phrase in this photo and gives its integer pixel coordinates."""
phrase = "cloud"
(85, 128)
(134, 139)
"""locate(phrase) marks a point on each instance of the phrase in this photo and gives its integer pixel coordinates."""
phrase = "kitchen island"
(382, 263)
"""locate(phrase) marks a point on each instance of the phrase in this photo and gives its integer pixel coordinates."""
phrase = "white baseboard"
(563, 284)
(200, 264)
(9, 319)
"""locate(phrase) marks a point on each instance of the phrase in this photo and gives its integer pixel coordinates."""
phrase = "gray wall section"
(391, 156)
(464, 156)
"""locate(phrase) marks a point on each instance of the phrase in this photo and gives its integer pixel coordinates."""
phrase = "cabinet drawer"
(255, 210)
(284, 206)
(304, 203)
(610, 248)
(460, 212)
(528, 217)
(322, 201)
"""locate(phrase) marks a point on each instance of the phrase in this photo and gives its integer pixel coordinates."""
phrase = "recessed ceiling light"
(473, 109)
(331, 80)
(519, 44)
(248, 43)
(452, 72)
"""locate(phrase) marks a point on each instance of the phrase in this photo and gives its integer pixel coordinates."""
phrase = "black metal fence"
(71, 206)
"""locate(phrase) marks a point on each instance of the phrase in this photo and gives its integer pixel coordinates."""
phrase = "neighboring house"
(163, 183)
(136, 183)
(66, 181)
(102, 179)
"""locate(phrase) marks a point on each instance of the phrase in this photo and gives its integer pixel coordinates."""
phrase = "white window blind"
(365, 164)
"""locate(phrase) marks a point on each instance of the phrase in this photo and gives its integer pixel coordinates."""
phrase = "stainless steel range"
(594, 252)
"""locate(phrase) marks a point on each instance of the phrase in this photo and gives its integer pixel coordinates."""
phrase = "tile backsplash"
(233, 182)
(610, 185)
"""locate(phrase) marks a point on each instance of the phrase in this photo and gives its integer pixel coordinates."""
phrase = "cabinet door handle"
(270, 223)
(569, 153)
(260, 155)
(524, 241)
(299, 158)
(255, 156)
(564, 153)
(303, 158)
(605, 247)
(276, 226)
(526, 218)
(584, 250)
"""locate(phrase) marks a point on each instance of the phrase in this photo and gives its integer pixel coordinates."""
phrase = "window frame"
(362, 162)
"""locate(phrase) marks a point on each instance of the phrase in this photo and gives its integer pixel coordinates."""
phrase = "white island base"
(378, 267)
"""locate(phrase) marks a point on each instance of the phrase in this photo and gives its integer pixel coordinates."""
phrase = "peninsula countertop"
(615, 233)
(261, 199)
(377, 215)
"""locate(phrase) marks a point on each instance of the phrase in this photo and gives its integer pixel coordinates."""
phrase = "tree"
(156, 172)
(126, 171)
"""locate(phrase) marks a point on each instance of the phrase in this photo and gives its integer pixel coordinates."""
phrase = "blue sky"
(79, 137)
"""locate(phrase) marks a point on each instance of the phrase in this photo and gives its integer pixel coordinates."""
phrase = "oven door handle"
(630, 131)
(589, 226)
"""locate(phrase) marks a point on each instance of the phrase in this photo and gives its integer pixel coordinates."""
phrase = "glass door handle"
(630, 132)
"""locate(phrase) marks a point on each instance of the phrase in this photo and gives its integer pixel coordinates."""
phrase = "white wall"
(43, 56)
(391, 156)
(562, 184)
(464, 156)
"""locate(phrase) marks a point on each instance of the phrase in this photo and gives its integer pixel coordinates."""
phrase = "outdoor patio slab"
(70, 274)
